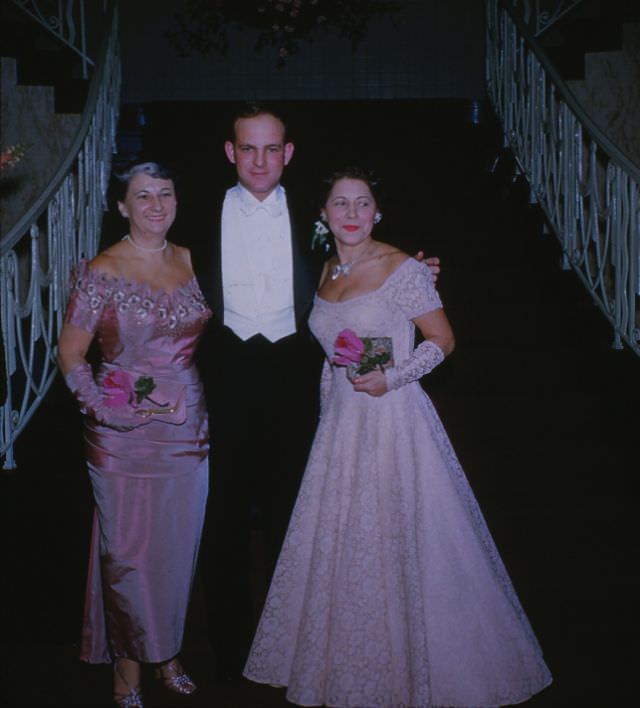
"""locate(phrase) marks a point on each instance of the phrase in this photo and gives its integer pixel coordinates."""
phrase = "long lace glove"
(424, 358)
(83, 386)
(326, 377)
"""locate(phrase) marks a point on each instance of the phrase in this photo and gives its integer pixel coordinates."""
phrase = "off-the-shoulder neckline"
(130, 283)
(382, 285)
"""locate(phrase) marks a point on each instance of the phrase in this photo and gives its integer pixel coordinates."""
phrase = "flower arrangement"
(12, 155)
(362, 354)
(203, 26)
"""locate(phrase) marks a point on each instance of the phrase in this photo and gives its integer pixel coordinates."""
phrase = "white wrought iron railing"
(541, 15)
(66, 20)
(588, 189)
(38, 254)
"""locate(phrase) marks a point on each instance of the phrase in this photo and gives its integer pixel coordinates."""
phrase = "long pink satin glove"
(83, 386)
(424, 358)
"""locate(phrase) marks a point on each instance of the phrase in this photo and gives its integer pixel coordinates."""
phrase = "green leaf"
(143, 387)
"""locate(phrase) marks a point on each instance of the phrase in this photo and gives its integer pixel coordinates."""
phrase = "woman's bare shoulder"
(391, 257)
(110, 261)
(183, 253)
(183, 257)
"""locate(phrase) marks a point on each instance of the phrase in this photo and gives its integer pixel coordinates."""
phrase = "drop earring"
(377, 218)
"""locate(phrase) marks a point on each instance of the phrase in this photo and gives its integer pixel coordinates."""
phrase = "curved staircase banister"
(567, 96)
(587, 187)
(95, 87)
(40, 251)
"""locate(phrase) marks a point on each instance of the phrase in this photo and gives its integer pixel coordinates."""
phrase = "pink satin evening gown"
(150, 484)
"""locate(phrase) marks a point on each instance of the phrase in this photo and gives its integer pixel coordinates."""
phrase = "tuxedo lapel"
(207, 260)
(216, 264)
(305, 276)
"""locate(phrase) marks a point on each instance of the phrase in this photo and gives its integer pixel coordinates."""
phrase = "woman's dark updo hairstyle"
(354, 172)
(123, 177)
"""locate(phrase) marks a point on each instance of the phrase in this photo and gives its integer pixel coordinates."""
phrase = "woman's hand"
(374, 383)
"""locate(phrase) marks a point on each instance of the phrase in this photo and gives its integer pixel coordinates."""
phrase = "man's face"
(259, 153)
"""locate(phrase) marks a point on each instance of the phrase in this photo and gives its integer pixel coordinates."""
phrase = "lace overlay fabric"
(424, 358)
(389, 591)
(326, 375)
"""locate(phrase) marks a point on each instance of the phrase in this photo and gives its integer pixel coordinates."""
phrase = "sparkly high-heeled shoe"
(175, 678)
(132, 699)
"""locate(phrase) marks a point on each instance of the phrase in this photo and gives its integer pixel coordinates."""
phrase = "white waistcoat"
(257, 265)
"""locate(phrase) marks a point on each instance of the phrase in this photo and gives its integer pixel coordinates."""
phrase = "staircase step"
(592, 27)
(631, 40)
(42, 59)
(610, 93)
(581, 37)
(28, 116)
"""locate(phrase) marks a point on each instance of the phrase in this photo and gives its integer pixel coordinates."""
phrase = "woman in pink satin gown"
(147, 451)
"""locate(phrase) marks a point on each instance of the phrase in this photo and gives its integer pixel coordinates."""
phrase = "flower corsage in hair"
(360, 355)
(320, 239)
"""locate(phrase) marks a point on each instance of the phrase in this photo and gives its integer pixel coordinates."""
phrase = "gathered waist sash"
(171, 374)
(156, 449)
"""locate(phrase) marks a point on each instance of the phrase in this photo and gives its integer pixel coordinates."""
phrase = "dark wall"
(429, 49)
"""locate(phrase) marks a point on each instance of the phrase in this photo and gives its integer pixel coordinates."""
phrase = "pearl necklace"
(142, 248)
(346, 268)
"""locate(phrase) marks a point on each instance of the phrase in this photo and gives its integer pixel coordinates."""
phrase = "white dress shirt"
(257, 264)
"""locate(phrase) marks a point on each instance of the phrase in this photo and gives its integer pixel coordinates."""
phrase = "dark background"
(425, 49)
(541, 411)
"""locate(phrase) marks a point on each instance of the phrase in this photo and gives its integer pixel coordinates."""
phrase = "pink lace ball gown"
(389, 590)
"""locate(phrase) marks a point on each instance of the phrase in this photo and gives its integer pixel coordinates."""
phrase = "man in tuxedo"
(260, 367)
(261, 371)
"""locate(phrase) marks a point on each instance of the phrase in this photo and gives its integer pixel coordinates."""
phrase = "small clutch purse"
(166, 404)
(378, 354)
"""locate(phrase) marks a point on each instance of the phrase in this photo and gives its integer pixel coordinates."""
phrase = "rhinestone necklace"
(346, 268)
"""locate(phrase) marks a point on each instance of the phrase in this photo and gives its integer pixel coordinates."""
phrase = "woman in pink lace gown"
(147, 457)
(389, 591)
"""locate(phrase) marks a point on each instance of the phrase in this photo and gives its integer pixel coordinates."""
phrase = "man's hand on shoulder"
(433, 262)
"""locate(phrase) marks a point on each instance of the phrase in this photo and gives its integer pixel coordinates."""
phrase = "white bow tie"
(273, 209)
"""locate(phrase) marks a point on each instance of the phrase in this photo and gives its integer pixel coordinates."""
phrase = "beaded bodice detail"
(133, 320)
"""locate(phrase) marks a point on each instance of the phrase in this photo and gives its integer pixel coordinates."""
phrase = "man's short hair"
(253, 109)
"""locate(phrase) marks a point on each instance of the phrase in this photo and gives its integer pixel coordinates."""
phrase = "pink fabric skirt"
(144, 546)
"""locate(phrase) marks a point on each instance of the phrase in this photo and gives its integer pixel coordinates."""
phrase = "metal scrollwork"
(541, 15)
(65, 20)
(588, 189)
(548, 12)
(38, 254)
